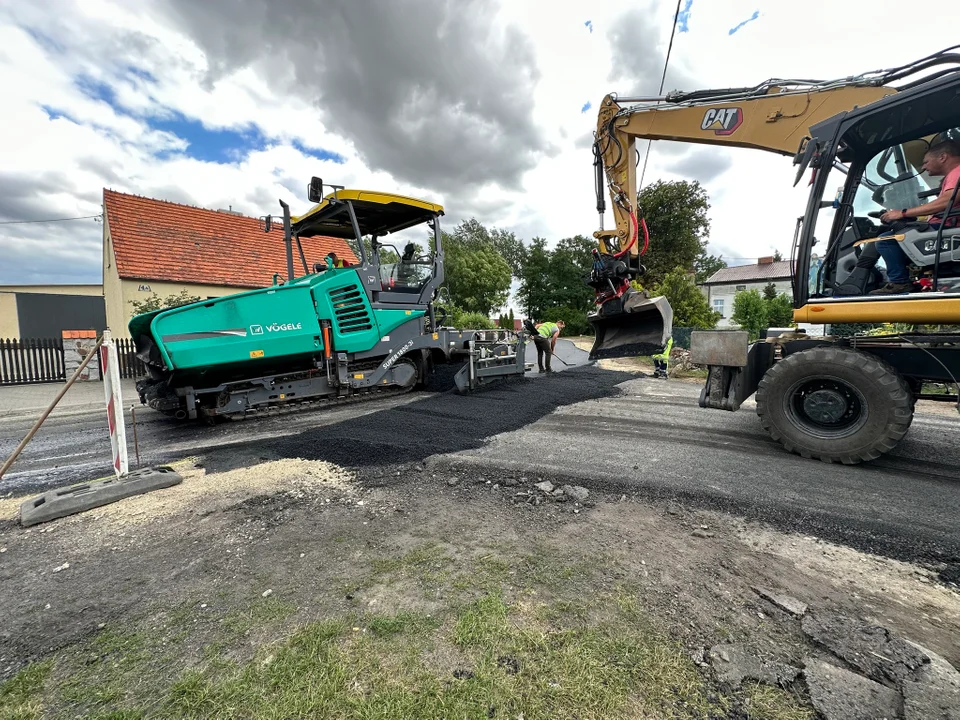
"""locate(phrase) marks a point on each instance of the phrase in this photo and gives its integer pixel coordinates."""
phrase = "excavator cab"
(892, 178)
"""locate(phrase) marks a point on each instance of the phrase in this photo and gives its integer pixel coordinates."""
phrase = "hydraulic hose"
(633, 238)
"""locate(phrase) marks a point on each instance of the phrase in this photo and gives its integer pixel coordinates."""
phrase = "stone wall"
(76, 345)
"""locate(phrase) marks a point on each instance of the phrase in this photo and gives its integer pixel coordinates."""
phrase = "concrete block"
(784, 602)
(736, 662)
(839, 694)
(84, 496)
(870, 648)
(932, 691)
(719, 347)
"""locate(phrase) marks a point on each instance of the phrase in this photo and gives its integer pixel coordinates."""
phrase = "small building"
(154, 247)
(721, 287)
(44, 311)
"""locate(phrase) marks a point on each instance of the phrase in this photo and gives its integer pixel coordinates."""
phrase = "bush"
(750, 312)
(155, 302)
(690, 306)
(471, 320)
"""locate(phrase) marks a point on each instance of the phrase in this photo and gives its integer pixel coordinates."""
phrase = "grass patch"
(114, 666)
(333, 669)
(427, 564)
(481, 623)
(483, 655)
(260, 612)
(537, 633)
(20, 695)
(403, 622)
(764, 702)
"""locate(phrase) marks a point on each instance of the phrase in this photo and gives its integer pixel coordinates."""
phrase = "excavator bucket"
(630, 326)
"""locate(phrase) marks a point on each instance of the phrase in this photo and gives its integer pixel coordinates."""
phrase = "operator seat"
(920, 242)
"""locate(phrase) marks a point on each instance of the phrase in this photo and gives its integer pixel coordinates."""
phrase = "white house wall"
(725, 292)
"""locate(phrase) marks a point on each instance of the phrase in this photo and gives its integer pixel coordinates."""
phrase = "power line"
(663, 79)
(24, 222)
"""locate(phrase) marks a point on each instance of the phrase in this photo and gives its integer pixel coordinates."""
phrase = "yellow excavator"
(838, 399)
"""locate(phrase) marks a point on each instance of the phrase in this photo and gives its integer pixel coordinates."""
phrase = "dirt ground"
(184, 601)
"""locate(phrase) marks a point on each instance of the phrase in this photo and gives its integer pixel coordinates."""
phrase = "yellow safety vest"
(547, 329)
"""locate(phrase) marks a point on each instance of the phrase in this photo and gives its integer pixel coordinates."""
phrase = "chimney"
(765, 260)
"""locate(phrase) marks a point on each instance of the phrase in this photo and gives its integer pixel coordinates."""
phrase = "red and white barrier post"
(110, 369)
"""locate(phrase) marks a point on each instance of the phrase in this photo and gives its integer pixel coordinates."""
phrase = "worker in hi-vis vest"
(546, 341)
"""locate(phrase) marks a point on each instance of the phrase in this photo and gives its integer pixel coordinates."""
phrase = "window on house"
(718, 305)
(741, 287)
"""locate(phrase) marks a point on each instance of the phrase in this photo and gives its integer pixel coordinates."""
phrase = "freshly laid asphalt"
(609, 431)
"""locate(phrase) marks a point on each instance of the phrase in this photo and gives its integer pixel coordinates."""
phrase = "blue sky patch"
(141, 73)
(97, 90)
(211, 145)
(683, 17)
(44, 41)
(319, 153)
(586, 106)
(756, 14)
(55, 114)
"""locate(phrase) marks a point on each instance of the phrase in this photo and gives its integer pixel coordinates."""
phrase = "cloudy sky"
(482, 106)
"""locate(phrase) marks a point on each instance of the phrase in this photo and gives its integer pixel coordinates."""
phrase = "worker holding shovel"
(546, 341)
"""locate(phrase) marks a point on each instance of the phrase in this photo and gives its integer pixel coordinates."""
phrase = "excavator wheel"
(835, 404)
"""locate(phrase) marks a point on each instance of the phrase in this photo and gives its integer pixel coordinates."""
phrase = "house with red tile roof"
(154, 247)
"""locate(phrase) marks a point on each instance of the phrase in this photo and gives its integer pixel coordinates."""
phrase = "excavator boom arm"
(776, 121)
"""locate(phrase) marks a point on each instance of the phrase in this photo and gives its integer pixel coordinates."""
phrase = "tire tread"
(892, 385)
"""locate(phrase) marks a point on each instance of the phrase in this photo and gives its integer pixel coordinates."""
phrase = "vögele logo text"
(280, 327)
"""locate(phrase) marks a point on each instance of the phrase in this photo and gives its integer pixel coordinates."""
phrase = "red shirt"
(950, 181)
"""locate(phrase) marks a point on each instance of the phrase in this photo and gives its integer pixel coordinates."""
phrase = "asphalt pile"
(446, 421)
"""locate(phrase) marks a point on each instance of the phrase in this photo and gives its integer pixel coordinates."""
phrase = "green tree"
(476, 275)
(155, 302)
(750, 312)
(769, 291)
(779, 311)
(566, 270)
(472, 232)
(706, 265)
(690, 306)
(534, 291)
(777, 256)
(676, 216)
(510, 247)
(556, 278)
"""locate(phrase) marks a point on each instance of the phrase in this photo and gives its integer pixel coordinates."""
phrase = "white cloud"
(59, 165)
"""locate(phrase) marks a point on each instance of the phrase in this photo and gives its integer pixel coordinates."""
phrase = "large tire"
(835, 404)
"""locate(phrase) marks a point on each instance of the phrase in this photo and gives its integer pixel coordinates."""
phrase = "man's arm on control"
(931, 208)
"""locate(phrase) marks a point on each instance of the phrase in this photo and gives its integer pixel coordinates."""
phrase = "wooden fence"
(130, 365)
(31, 360)
(40, 360)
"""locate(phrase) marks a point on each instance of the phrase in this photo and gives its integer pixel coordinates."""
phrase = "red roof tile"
(160, 240)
